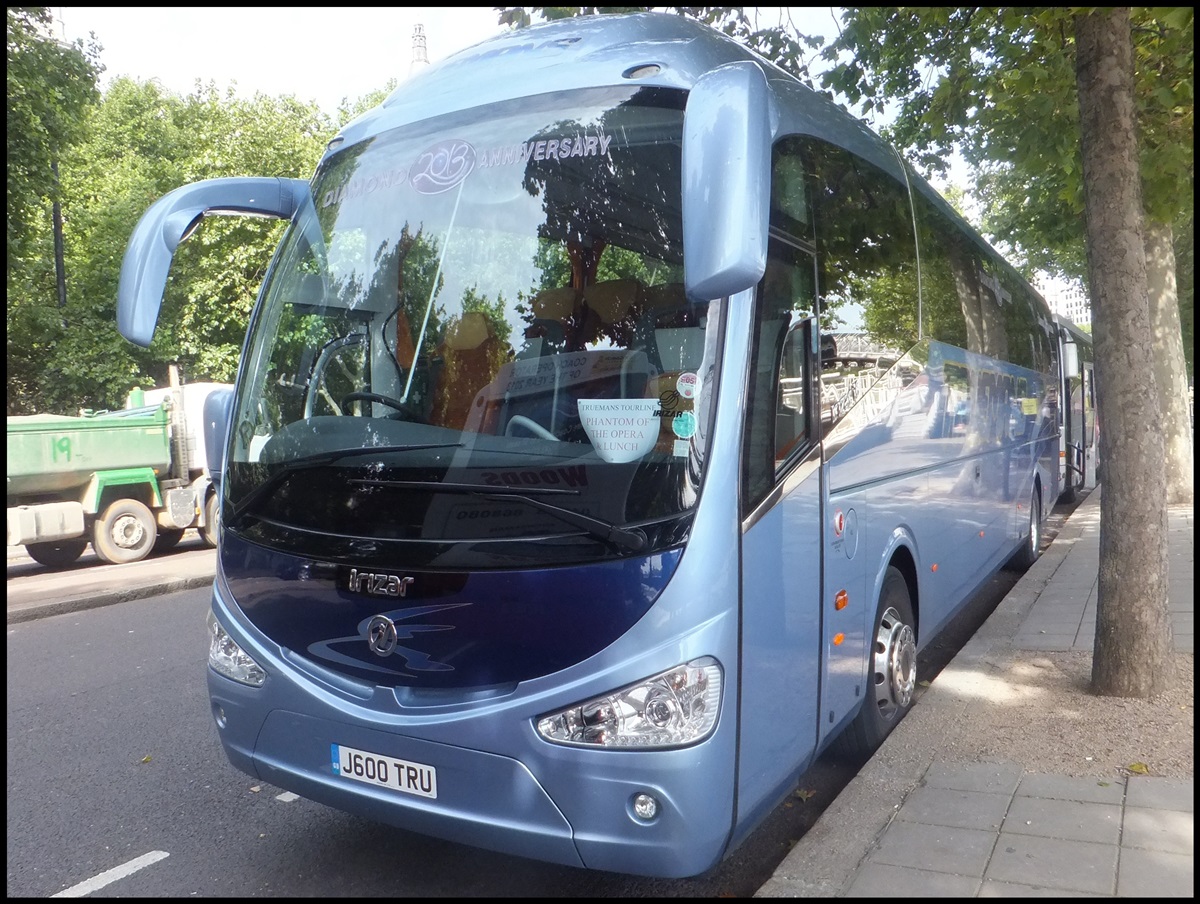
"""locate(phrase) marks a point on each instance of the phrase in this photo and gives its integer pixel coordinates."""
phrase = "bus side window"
(780, 388)
(791, 413)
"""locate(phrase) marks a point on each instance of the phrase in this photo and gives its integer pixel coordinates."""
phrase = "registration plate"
(385, 771)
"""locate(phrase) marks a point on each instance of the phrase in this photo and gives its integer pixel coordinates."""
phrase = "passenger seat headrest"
(554, 304)
(613, 299)
(666, 295)
(469, 332)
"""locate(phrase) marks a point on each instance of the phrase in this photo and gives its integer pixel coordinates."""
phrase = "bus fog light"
(645, 807)
(226, 658)
(670, 709)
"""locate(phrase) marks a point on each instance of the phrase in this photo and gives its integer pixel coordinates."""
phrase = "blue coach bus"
(549, 524)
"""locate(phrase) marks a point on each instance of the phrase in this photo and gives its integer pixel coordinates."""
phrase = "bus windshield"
(476, 335)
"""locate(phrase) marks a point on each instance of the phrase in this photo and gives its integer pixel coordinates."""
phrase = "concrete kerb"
(827, 858)
(28, 611)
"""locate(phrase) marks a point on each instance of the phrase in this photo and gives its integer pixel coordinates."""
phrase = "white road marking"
(111, 875)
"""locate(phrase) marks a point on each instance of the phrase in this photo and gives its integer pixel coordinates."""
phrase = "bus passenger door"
(781, 539)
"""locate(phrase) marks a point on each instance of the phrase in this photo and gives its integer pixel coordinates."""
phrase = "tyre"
(124, 532)
(212, 521)
(891, 670)
(56, 553)
(1031, 548)
(167, 539)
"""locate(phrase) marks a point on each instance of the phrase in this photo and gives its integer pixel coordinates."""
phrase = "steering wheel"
(405, 408)
(519, 420)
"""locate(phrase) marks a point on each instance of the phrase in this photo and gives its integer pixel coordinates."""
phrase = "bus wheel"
(212, 522)
(891, 672)
(1031, 549)
(56, 553)
(124, 532)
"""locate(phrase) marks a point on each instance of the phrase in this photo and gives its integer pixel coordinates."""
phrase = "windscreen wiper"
(631, 539)
(307, 462)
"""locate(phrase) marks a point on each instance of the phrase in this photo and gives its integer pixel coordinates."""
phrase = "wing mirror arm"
(174, 217)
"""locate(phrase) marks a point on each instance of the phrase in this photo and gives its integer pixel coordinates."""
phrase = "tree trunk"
(1170, 367)
(1132, 653)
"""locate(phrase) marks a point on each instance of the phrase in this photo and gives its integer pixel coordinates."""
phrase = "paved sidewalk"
(913, 825)
(90, 585)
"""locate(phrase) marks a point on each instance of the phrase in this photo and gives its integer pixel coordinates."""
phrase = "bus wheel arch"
(211, 528)
(1031, 542)
(892, 663)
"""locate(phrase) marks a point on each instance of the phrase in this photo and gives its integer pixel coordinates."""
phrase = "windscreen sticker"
(669, 402)
(577, 145)
(364, 185)
(442, 166)
(684, 425)
(686, 385)
(620, 430)
(681, 448)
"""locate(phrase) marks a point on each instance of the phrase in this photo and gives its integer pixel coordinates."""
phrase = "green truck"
(128, 481)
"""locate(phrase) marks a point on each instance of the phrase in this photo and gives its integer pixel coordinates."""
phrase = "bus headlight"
(671, 709)
(226, 658)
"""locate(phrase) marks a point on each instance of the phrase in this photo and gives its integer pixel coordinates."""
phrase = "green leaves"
(998, 85)
(118, 154)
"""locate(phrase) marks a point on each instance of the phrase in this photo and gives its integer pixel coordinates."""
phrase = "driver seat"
(470, 355)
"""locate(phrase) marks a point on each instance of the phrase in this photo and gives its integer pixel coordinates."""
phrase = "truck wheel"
(167, 539)
(124, 532)
(56, 553)
(891, 670)
(212, 521)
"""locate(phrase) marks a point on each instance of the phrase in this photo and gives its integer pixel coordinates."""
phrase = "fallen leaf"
(1139, 768)
(254, 789)
(146, 758)
(805, 793)
(925, 683)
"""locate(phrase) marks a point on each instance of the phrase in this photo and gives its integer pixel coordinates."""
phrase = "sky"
(322, 54)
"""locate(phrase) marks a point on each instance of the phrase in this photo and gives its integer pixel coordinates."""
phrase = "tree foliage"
(50, 87)
(137, 143)
(117, 154)
(997, 85)
(144, 141)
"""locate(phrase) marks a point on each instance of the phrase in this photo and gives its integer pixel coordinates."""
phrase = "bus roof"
(651, 49)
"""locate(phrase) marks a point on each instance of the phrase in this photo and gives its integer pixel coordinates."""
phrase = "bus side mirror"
(218, 409)
(1070, 362)
(174, 217)
(726, 181)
